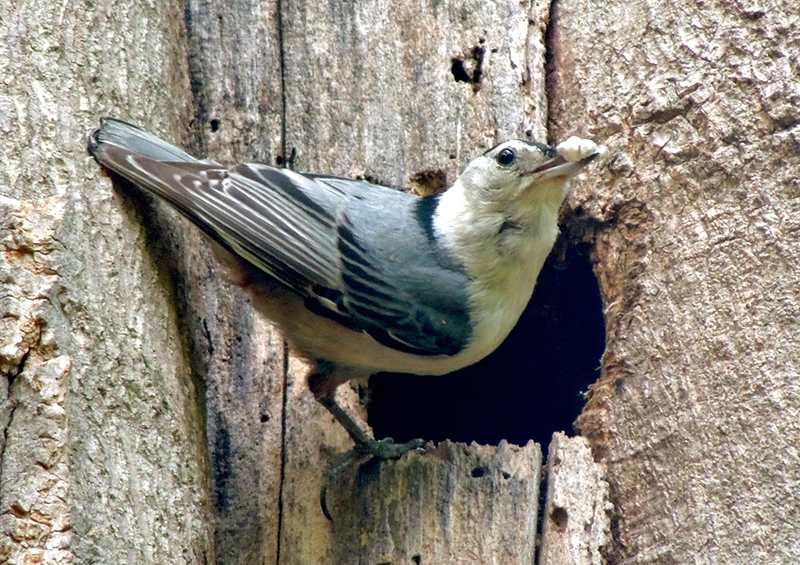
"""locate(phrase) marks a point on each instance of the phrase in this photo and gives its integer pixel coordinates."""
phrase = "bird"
(362, 278)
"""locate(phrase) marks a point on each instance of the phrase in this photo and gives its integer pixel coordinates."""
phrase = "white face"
(511, 172)
(520, 171)
(510, 161)
(500, 216)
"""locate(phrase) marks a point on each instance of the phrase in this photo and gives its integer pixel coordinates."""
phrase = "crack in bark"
(13, 403)
(549, 67)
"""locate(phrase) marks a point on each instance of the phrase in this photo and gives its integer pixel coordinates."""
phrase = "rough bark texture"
(697, 253)
(102, 456)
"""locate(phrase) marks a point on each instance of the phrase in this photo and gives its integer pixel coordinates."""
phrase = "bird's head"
(520, 173)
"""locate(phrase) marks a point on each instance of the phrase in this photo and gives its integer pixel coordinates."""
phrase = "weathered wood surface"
(452, 503)
(576, 526)
(698, 257)
(371, 88)
(234, 65)
(370, 92)
(102, 456)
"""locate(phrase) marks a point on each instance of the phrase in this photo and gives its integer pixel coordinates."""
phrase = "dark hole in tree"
(470, 67)
(460, 74)
(530, 387)
(560, 517)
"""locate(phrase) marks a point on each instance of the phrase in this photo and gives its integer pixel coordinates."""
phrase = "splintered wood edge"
(577, 514)
(448, 503)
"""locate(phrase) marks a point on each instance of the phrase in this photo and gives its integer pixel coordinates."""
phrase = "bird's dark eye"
(506, 157)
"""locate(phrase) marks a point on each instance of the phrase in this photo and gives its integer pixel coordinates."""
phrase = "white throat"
(502, 254)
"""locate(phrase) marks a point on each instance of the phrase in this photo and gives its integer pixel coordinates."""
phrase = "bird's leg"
(323, 381)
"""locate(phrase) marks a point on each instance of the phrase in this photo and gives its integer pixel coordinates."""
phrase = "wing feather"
(338, 243)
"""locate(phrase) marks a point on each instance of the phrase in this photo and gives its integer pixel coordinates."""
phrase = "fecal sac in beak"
(573, 154)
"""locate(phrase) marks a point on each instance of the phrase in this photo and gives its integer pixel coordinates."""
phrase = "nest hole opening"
(531, 386)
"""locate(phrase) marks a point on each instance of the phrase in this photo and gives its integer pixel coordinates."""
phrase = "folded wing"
(355, 252)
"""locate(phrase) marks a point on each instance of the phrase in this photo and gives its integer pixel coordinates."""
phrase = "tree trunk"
(150, 417)
(102, 456)
(695, 232)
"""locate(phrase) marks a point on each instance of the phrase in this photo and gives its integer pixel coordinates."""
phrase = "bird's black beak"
(560, 167)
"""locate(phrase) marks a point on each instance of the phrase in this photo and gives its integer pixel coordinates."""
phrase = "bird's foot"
(364, 451)
(387, 448)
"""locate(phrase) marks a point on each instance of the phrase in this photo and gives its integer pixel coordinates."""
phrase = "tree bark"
(576, 522)
(102, 456)
(695, 231)
(149, 416)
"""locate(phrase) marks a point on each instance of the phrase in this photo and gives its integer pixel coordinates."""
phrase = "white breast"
(503, 263)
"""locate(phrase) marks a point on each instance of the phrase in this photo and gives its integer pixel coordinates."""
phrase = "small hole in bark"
(506, 475)
(469, 67)
(264, 418)
(559, 518)
(459, 72)
(416, 560)
(478, 472)
(282, 161)
(214, 125)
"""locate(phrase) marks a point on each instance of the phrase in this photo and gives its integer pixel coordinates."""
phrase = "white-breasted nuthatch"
(361, 278)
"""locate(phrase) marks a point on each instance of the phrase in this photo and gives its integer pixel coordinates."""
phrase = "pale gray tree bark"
(150, 417)
(103, 455)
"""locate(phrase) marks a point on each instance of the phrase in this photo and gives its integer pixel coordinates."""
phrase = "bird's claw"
(363, 452)
(388, 449)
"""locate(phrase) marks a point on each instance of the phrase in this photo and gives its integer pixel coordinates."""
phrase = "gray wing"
(361, 254)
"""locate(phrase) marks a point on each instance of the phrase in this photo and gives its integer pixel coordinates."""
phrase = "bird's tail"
(161, 168)
(122, 135)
